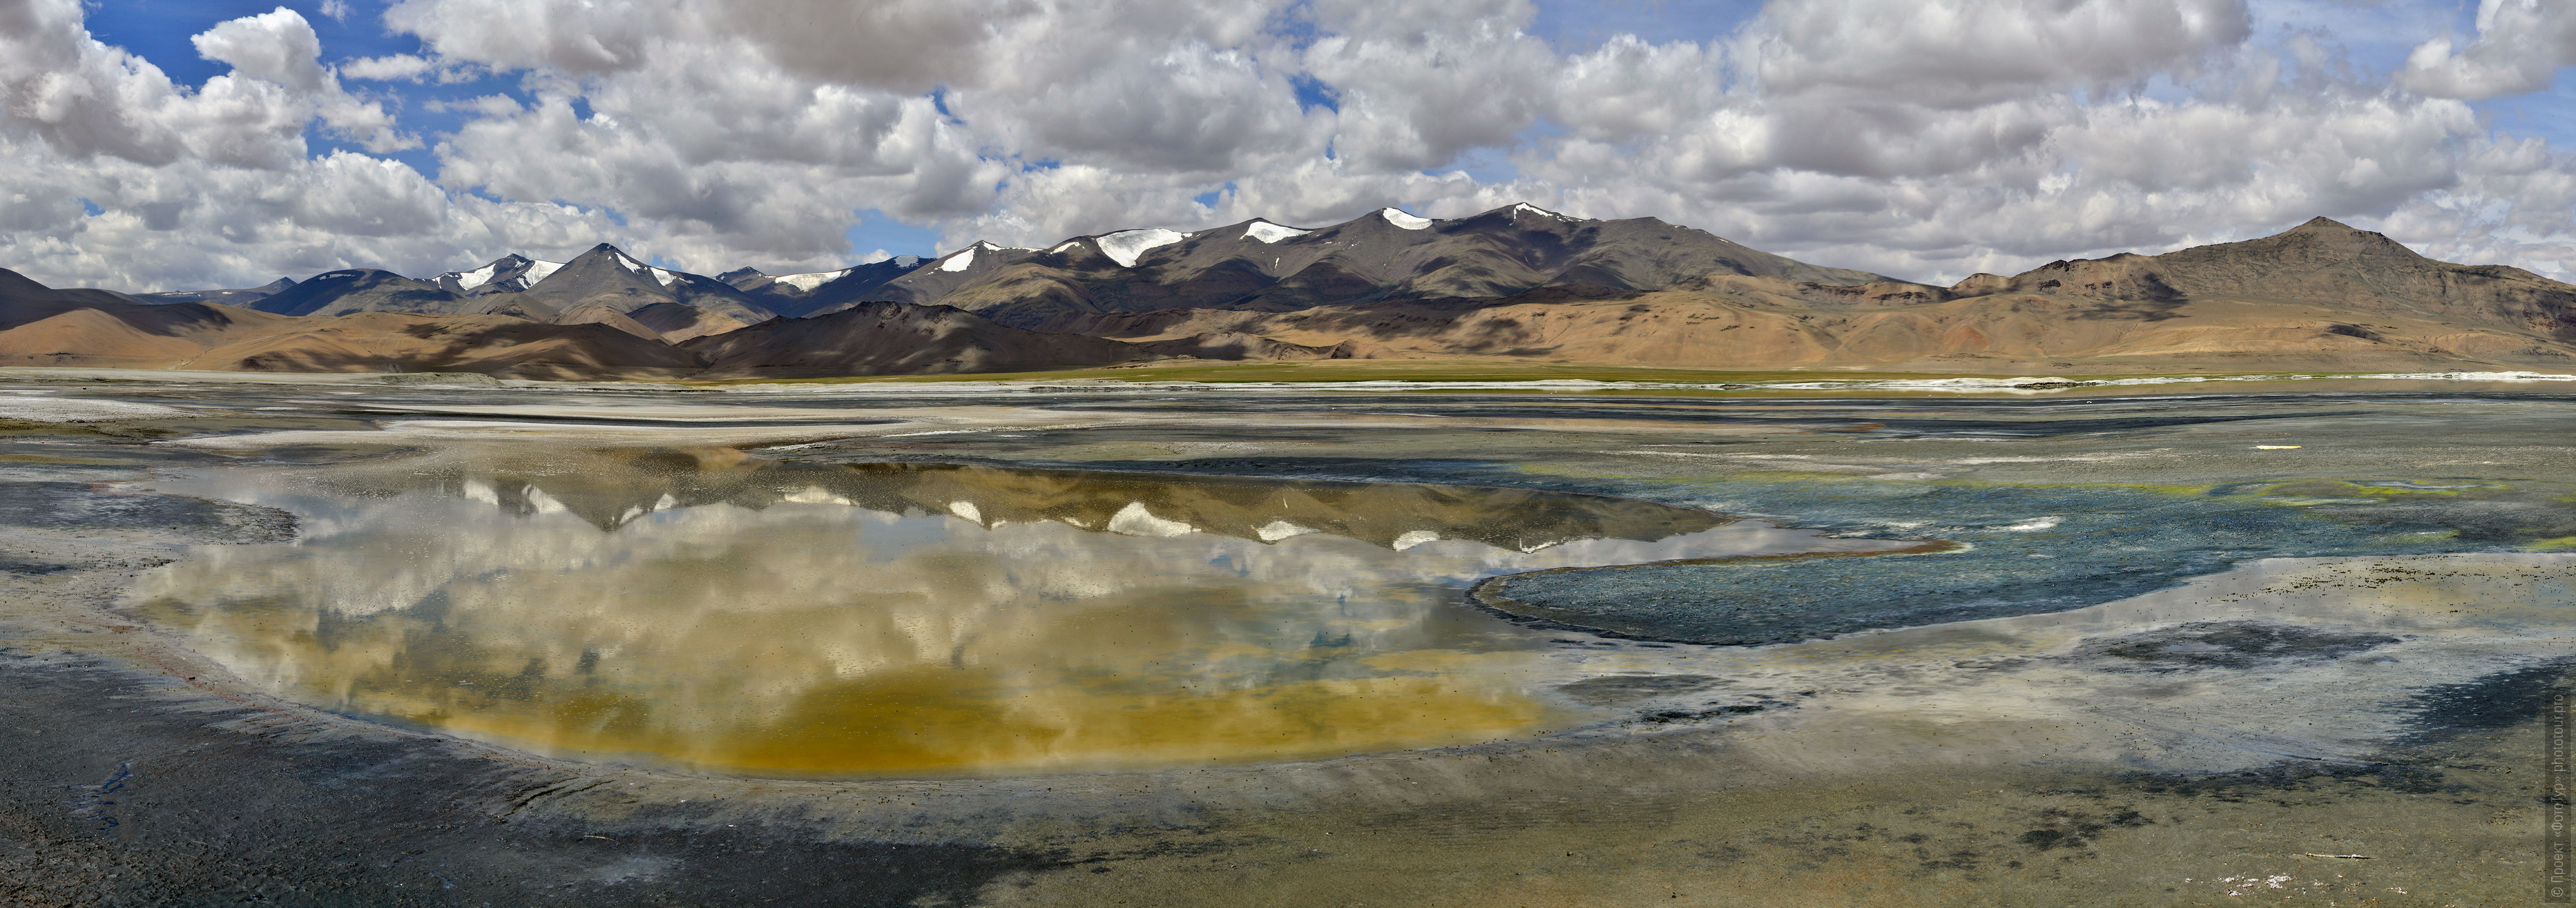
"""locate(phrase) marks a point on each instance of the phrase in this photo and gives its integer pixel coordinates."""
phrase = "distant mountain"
(22, 299)
(40, 326)
(1516, 284)
(677, 305)
(2321, 262)
(243, 297)
(881, 338)
(603, 286)
(360, 290)
(1263, 266)
(802, 295)
(508, 274)
(2321, 296)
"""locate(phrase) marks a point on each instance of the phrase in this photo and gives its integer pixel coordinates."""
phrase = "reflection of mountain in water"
(729, 612)
(1395, 515)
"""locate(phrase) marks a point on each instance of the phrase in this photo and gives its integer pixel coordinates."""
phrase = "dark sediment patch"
(2496, 701)
(55, 505)
(28, 568)
(112, 797)
(2223, 644)
(331, 454)
(1617, 689)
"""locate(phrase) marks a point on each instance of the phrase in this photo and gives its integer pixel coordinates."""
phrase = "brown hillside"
(40, 326)
(491, 344)
(2322, 296)
(899, 339)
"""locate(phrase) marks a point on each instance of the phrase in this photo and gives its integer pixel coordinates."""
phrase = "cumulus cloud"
(213, 183)
(390, 67)
(1957, 54)
(2520, 47)
(1926, 138)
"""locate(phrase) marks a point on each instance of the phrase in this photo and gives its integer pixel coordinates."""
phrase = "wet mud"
(2319, 688)
(117, 796)
(83, 507)
(2229, 644)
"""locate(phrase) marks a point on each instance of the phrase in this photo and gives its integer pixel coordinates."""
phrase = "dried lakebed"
(620, 646)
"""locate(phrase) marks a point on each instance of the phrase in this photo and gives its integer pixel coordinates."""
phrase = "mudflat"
(2279, 645)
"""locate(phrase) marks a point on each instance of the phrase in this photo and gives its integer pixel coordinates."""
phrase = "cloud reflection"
(733, 613)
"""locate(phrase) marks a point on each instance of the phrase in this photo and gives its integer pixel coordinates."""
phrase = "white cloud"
(278, 46)
(2520, 47)
(391, 67)
(1925, 138)
(1956, 54)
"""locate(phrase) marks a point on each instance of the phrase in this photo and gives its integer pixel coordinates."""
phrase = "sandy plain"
(2041, 758)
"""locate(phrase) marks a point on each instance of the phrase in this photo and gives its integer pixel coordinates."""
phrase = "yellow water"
(736, 614)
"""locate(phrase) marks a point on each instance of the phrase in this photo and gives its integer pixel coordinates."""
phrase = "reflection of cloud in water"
(906, 619)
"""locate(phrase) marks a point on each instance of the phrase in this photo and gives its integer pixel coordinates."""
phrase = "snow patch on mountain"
(666, 276)
(538, 271)
(1522, 208)
(468, 280)
(1124, 246)
(1401, 219)
(807, 282)
(964, 259)
(1271, 233)
(1068, 244)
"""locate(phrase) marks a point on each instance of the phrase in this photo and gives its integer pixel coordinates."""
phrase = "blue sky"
(1926, 138)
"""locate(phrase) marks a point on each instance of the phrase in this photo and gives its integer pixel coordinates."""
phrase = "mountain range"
(1515, 284)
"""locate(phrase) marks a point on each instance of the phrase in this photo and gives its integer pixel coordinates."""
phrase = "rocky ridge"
(1516, 284)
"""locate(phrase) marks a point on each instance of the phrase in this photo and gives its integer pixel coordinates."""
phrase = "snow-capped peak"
(807, 282)
(1401, 219)
(962, 260)
(1521, 208)
(1271, 233)
(1124, 246)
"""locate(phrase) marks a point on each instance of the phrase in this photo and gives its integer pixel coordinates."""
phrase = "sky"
(195, 144)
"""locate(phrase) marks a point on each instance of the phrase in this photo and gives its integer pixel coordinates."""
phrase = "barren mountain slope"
(1261, 266)
(361, 290)
(801, 295)
(606, 276)
(882, 338)
(2325, 263)
(23, 300)
(491, 344)
(2320, 297)
(513, 273)
(40, 326)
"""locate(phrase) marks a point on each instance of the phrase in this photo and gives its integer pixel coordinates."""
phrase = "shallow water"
(731, 613)
(2180, 640)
